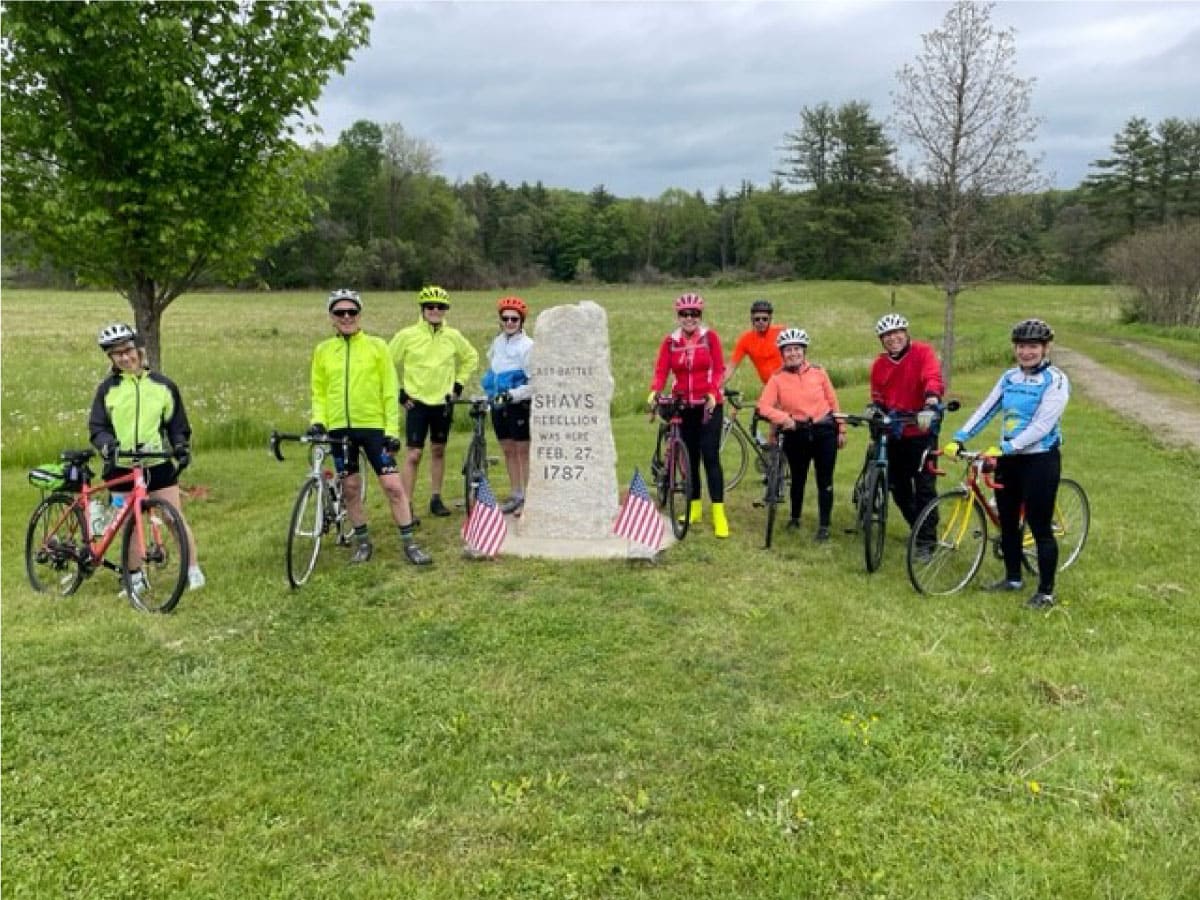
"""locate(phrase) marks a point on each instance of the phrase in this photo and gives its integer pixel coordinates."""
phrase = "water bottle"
(98, 517)
(114, 508)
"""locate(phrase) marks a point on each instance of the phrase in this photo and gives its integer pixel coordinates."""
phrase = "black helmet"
(761, 306)
(1032, 331)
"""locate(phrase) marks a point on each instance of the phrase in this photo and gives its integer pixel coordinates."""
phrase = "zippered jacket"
(508, 367)
(803, 394)
(354, 384)
(143, 411)
(903, 385)
(1032, 404)
(698, 367)
(432, 360)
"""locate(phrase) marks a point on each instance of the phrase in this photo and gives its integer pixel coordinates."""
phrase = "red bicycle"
(958, 523)
(62, 548)
(670, 468)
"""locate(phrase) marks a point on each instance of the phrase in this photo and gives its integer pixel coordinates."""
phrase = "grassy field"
(728, 723)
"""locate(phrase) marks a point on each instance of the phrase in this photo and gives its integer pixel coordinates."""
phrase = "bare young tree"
(966, 113)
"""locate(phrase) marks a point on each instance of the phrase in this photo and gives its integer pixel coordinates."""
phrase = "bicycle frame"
(746, 441)
(475, 462)
(670, 466)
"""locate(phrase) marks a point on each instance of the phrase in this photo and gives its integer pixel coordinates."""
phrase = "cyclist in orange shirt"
(758, 343)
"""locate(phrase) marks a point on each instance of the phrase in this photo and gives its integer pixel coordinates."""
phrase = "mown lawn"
(730, 722)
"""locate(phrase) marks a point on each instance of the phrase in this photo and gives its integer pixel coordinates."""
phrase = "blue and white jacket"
(508, 367)
(1032, 404)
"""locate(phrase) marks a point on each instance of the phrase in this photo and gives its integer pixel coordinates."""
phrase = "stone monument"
(571, 500)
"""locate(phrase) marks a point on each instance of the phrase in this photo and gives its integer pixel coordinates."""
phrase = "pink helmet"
(689, 301)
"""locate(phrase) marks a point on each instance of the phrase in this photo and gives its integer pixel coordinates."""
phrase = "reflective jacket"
(432, 360)
(354, 384)
(143, 411)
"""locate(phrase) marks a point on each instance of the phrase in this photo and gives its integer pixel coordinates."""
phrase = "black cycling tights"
(816, 445)
(703, 441)
(1029, 479)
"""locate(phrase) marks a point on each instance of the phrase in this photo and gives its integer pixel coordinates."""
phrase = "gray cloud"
(647, 96)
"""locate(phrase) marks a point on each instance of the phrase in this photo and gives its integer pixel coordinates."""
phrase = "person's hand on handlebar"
(316, 430)
(183, 456)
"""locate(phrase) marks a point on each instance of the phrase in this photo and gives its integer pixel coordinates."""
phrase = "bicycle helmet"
(689, 301)
(431, 293)
(1032, 331)
(790, 337)
(761, 306)
(516, 304)
(115, 334)
(343, 294)
(890, 322)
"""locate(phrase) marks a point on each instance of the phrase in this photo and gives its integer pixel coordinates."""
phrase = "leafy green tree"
(357, 179)
(149, 144)
(1122, 190)
(966, 112)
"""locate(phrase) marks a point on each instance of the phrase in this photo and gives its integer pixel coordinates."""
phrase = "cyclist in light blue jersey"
(1030, 398)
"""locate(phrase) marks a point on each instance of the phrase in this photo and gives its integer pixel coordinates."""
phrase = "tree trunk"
(147, 318)
(948, 335)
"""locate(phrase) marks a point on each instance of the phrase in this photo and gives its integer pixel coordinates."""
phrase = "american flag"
(639, 520)
(484, 531)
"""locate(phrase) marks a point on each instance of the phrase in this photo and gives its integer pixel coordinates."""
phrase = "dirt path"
(1172, 421)
(1186, 369)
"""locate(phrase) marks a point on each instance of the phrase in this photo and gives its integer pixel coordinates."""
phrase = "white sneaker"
(196, 579)
(139, 585)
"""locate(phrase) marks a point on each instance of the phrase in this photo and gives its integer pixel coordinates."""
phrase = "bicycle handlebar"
(278, 437)
(976, 458)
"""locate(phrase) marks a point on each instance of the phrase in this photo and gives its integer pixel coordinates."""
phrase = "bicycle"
(62, 549)
(670, 467)
(738, 444)
(476, 462)
(959, 520)
(870, 494)
(320, 506)
(776, 480)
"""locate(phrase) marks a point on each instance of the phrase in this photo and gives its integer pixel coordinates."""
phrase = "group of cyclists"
(359, 384)
(906, 383)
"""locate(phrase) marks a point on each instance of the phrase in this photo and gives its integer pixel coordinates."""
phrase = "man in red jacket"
(907, 378)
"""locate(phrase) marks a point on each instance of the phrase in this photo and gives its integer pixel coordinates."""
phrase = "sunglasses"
(344, 313)
(760, 318)
(689, 314)
(510, 318)
(442, 306)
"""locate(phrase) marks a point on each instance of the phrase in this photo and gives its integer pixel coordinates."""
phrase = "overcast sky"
(642, 97)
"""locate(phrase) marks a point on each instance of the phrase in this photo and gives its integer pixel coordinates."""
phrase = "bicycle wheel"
(55, 545)
(304, 533)
(474, 471)
(658, 471)
(679, 488)
(774, 492)
(154, 558)
(955, 556)
(735, 453)
(874, 508)
(1071, 523)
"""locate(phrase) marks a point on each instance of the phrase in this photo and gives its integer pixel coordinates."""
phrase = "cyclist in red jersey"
(907, 378)
(692, 355)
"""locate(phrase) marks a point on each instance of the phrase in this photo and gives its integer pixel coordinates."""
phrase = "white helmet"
(114, 334)
(343, 294)
(890, 322)
(791, 337)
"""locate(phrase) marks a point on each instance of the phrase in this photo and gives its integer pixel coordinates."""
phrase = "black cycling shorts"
(511, 421)
(157, 477)
(427, 421)
(370, 441)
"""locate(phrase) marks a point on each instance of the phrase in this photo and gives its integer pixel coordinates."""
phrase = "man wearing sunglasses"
(435, 362)
(758, 343)
(353, 396)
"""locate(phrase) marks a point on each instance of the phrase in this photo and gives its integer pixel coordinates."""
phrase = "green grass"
(728, 723)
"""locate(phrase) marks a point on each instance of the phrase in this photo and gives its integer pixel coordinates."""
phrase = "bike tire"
(164, 568)
(960, 528)
(306, 526)
(658, 471)
(874, 517)
(474, 471)
(735, 453)
(679, 488)
(773, 495)
(55, 542)
(1072, 522)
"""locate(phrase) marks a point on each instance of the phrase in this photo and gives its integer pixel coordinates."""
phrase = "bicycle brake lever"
(275, 446)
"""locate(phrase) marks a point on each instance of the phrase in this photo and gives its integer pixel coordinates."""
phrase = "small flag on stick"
(639, 520)
(485, 529)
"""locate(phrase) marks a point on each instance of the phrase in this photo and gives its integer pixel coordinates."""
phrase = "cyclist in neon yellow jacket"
(354, 396)
(435, 362)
